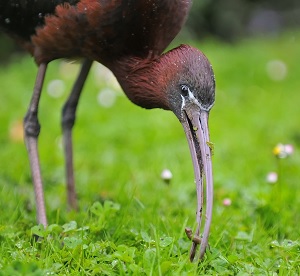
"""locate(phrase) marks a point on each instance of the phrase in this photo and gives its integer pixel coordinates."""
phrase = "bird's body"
(68, 29)
(128, 37)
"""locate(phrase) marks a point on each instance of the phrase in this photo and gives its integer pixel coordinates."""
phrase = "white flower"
(272, 177)
(166, 175)
(289, 149)
(226, 201)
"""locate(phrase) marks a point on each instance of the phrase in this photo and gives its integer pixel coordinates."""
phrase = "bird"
(129, 37)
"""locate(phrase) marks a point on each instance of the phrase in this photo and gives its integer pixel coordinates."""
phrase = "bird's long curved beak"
(195, 124)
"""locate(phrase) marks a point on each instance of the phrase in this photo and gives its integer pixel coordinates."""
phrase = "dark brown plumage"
(128, 37)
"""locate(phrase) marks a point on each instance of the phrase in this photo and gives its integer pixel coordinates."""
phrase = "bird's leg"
(68, 120)
(31, 133)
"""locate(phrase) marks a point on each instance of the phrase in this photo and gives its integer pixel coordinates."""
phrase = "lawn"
(130, 221)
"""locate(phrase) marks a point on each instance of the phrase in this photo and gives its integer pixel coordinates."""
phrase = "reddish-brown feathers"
(108, 30)
(146, 81)
(126, 36)
(65, 34)
(142, 81)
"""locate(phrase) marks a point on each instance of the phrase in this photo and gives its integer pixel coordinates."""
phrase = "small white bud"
(166, 175)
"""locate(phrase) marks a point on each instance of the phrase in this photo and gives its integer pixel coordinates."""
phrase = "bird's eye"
(184, 90)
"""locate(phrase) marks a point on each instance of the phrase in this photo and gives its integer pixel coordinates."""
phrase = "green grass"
(132, 223)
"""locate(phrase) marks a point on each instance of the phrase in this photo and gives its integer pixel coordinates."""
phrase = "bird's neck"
(143, 81)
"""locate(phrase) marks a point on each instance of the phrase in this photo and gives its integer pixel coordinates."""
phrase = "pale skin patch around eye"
(193, 99)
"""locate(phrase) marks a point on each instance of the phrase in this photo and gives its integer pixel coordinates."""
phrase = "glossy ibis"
(128, 37)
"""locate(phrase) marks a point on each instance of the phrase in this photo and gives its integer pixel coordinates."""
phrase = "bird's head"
(181, 80)
(190, 93)
(189, 80)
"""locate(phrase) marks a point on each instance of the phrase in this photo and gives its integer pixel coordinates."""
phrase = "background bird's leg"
(31, 133)
(68, 120)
